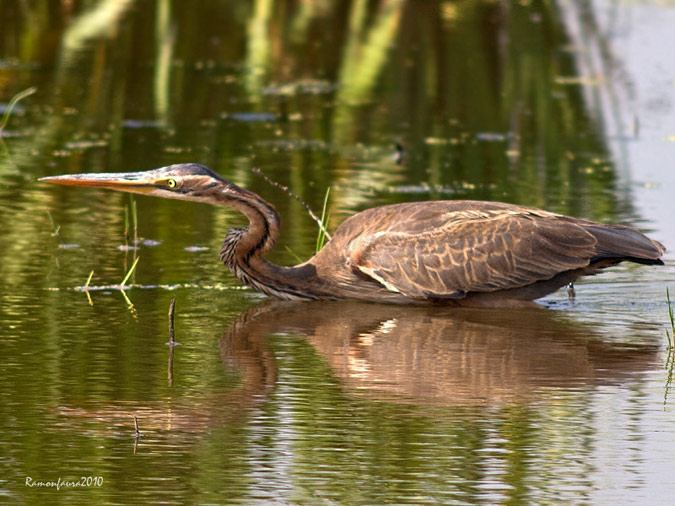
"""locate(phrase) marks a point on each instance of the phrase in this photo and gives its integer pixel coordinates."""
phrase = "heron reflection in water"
(417, 355)
(465, 253)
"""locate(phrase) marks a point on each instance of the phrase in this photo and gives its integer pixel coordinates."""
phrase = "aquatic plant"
(12, 103)
(123, 284)
(131, 221)
(323, 222)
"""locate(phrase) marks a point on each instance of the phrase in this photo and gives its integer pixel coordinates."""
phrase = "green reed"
(323, 222)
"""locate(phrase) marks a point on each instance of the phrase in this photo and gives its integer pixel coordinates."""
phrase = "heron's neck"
(263, 230)
(244, 248)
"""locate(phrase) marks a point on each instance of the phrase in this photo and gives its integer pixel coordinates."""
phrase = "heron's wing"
(450, 254)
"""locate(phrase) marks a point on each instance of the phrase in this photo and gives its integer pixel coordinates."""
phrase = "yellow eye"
(171, 183)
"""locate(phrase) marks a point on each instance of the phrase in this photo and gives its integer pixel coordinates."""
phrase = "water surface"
(266, 402)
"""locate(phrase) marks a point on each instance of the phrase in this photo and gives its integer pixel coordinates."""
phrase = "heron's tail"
(624, 243)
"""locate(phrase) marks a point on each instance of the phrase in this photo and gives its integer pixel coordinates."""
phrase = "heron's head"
(185, 181)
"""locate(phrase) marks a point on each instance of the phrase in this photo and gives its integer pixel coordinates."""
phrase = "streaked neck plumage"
(244, 248)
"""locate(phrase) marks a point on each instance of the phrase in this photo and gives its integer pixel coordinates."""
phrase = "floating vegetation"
(148, 243)
(142, 123)
(61, 153)
(422, 188)
(491, 137)
(178, 286)
(106, 288)
(249, 117)
(578, 80)
(464, 137)
(87, 144)
(177, 149)
(295, 145)
(7, 134)
(435, 141)
(301, 87)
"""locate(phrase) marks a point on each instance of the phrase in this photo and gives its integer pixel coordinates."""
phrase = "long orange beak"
(134, 182)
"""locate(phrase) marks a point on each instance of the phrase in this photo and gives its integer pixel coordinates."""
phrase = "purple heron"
(465, 253)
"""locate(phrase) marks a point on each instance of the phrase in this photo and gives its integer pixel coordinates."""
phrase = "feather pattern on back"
(448, 249)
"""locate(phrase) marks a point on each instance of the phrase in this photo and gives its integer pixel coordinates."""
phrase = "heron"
(462, 252)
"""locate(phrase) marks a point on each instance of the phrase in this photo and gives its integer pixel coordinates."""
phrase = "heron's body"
(453, 252)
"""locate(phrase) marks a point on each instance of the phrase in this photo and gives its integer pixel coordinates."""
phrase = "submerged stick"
(137, 432)
(172, 307)
(169, 371)
(172, 342)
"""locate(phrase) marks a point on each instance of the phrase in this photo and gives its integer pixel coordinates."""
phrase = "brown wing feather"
(447, 250)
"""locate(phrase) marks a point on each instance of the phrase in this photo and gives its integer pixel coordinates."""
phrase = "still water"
(562, 105)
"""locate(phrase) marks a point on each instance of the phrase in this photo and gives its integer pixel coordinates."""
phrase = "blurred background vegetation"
(483, 96)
